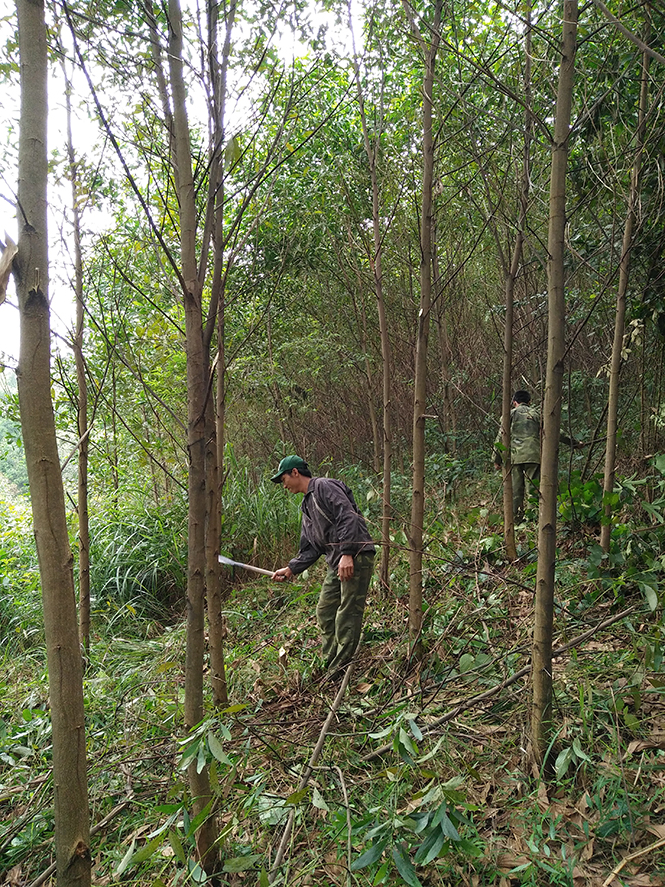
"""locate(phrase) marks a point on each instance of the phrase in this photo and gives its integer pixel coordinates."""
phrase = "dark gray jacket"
(331, 525)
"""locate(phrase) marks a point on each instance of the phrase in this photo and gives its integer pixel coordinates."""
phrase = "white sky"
(60, 294)
(86, 135)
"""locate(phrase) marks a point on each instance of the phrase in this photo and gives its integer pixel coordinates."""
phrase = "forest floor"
(426, 775)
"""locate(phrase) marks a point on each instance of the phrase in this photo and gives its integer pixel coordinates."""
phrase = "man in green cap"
(331, 526)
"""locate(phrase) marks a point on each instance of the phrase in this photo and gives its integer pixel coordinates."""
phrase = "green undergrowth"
(428, 786)
(426, 776)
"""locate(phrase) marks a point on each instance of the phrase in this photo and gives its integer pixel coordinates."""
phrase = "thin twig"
(19, 822)
(615, 871)
(488, 694)
(348, 824)
(45, 875)
(308, 772)
(629, 34)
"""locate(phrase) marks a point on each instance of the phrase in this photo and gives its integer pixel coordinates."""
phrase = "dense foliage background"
(427, 776)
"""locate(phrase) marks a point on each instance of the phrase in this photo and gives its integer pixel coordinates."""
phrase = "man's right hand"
(282, 574)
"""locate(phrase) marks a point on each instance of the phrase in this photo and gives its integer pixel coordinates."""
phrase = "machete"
(230, 563)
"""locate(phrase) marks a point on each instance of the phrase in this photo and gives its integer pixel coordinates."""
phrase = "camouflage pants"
(339, 612)
(522, 474)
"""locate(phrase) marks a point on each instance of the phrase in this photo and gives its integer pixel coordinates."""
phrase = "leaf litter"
(524, 822)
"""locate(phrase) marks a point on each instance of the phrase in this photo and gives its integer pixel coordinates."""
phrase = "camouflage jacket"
(524, 436)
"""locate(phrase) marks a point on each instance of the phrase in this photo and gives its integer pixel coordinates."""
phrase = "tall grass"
(138, 560)
(20, 589)
(139, 554)
(260, 522)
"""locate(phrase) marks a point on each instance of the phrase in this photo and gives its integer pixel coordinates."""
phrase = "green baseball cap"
(288, 463)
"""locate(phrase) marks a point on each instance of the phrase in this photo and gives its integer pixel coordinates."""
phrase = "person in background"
(524, 448)
(525, 426)
(332, 526)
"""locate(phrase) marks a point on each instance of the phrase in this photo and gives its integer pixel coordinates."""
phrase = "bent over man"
(331, 526)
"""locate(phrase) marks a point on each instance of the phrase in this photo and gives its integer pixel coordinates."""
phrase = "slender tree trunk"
(541, 711)
(82, 406)
(376, 264)
(430, 48)
(619, 323)
(447, 420)
(274, 387)
(511, 277)
(216, 322)
(373, 417)
(506, 400)
(72, 820)
(196, 394)
(113, 456)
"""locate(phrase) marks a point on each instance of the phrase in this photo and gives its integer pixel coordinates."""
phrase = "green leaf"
(596, 555)
(217, 751)
(296, 797)
(264, 881)
(188, 757)
(631, 721)
(147, 850)
(199, 819)
(419, 821)
(577, 748)
(201, 758)
(381, 733)
(562, 762)
(398, 746)
(318, 801)
(126, 859)
(405, 867)
(168, 808)
(196, 872)
(272, 809)
(440, 813)
(241, 863)
(449, 829)
(407, 742)
(433, 752)
(468, 848)
(370, 856)
(453, 783)
(651, 596)
(430, 847)
(415, 730)
(381, 873)
(234, 709)
(232, 152)
(655, 513)
(178, 849)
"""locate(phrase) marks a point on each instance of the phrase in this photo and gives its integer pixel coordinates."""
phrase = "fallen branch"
(19, 822)
(307, 773)
(348, 824)
(523, 672)
(612, 875)
(45, 875)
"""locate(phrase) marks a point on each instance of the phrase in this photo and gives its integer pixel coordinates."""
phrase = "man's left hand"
(345, 568)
